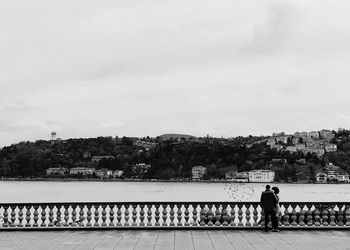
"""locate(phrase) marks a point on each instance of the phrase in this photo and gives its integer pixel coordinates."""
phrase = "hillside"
(172, 158)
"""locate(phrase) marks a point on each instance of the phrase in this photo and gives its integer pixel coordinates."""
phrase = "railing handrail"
(168, 203)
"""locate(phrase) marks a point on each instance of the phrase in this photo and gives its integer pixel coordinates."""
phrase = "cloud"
(15, 106)
(275, 30)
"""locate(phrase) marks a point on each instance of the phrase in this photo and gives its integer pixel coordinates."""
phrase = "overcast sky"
(136, 68)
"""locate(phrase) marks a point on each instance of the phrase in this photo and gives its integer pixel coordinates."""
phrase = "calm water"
(55, 191)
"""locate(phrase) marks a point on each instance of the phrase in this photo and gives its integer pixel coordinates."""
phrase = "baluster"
(36, 216)
(149, 215)
(81, 215)
(294, 215)
(286, 216)
(247, 216)
(194, 214)
(179, 215)
(210, 215)
(309, 220)
(96, 216)
(217, 215)
(5, 216)
(165, 216)
(240, 215)
(172, 215)
(142, 215)
(262, 220)
(302, 217)
(225, 216)
(187, 213)
(104, 215)
(88, 215)
(202, 215)
(232, 216)
(13, 216)
(51, 218)
(66, 215)
(347, 215)
(74, 216)
(20, 215)
(28, 216)
(325, 217)
(317, 216)
(255, 215)
(43, 216)
(126, 215)
(157, 217)
(119, 215)
(332, 217)
(58, 218)
(134, 215)
(111, 215)
(340, 215)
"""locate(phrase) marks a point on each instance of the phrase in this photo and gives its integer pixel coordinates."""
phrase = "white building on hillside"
(198, 172)
(104, 173)
(57, 171)
(82, 171)
(261, 175)
(118, 173)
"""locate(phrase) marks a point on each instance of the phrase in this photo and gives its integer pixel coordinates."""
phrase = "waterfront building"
(140, 169)
(82, 171)
(198, 172)
(343, 178)
(321, 178)
(118, 173)
(242, 177)
(57, 171)
(104, 173)
(261, 175)
(231, 175)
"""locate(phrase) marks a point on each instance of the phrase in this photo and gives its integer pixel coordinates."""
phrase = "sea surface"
(85, 191)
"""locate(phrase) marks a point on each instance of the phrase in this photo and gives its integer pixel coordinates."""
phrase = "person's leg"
(267, 214)
(274, 221)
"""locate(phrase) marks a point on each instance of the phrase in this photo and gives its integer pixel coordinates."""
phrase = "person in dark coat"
(268, 203)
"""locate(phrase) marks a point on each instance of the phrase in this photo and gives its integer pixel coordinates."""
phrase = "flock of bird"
(239, 191)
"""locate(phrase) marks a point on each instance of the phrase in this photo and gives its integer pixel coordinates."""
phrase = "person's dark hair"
(267, 187)
(276, 190)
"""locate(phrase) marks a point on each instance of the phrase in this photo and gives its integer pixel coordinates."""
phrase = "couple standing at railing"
(270, 204)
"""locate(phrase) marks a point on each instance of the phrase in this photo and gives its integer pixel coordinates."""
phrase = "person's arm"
(262, 201)
(275, 201)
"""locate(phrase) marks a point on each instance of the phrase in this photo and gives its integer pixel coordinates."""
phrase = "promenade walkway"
(175, 239)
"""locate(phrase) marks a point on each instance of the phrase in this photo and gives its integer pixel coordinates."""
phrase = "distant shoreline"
(153, 180)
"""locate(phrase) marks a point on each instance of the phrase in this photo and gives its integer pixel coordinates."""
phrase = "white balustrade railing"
(169, 215)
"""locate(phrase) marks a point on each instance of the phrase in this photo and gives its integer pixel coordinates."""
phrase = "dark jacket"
(268, 200)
